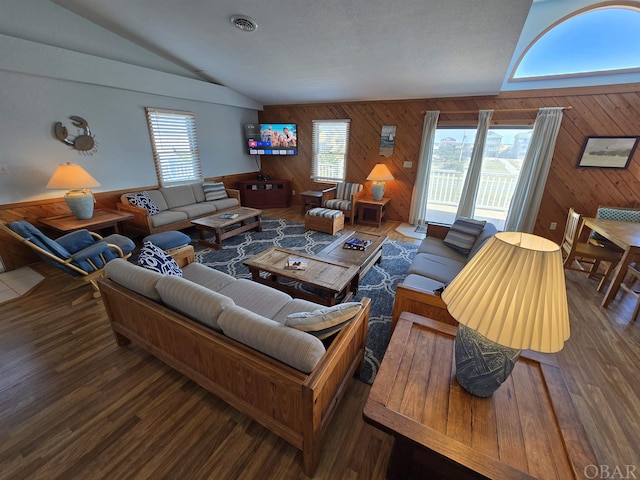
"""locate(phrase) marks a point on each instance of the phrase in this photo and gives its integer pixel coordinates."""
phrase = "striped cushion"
(193, 300)
(290, 346)
(324, 322)
(463, 234)
(324, 212)
(214, 191)
(345, 190)
(338, 204)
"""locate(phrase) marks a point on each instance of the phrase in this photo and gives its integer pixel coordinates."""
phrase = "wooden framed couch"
(173, 208)
(433, 267)
(283, 378)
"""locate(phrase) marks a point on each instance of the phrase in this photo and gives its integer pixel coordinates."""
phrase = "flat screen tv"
(271, 138)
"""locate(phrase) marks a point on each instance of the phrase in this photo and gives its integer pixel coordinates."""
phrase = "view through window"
(504, 153)
(330, 145)
(175, 146)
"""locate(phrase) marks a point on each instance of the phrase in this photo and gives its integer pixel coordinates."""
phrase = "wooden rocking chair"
(81, 254)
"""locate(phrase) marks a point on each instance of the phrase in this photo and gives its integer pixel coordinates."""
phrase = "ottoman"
(324, 220)
(176, 244)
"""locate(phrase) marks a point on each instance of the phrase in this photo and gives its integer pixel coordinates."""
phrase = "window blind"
(330, 145)
(175, 146)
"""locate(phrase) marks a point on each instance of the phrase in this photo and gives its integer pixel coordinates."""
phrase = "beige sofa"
(177, 207)
(433, 267)
(228, 335)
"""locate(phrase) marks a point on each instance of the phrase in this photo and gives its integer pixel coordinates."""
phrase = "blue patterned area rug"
(379, 284)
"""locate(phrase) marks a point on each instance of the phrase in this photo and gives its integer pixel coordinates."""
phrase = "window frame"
(590, 73)
(161, 129)
(319, 148)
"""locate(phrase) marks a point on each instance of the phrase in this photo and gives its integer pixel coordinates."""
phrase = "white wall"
(42, 83)
(31, 105)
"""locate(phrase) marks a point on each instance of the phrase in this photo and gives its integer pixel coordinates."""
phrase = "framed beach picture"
(607, 152)
(387, 140)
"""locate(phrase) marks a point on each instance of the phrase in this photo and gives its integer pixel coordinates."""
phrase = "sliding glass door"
(504, 152)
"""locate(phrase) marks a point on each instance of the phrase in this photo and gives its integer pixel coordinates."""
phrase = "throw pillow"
(463, 234)
(324, 322)
(214, 191)
(143, 200)
(154, 258)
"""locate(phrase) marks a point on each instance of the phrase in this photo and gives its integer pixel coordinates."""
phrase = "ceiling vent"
(245, 24)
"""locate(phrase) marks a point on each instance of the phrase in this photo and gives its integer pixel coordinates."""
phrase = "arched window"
(599, 40)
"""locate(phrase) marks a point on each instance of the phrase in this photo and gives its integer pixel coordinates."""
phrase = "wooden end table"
(246, 219)
(310, 199)
(371, 212)
(527, 429)
(102, 218)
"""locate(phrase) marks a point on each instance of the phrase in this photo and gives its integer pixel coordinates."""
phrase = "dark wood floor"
(74, 405)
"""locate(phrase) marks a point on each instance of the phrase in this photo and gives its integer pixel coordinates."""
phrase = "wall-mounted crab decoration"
(84, 142)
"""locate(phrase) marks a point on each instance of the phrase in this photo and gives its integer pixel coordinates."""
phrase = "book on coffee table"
(356, 244)
(229, 215)
(296, 263)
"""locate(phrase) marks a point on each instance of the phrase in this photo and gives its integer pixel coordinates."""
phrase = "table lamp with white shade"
(380, 174)
(511, 296)
(76, 180)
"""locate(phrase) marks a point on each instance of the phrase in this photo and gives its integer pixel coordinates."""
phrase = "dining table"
(625, 235)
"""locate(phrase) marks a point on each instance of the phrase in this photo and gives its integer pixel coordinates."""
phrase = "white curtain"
(535, 168)
(467, 204)
(420, 195)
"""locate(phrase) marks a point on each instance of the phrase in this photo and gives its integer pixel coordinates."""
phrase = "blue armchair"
(81, 254)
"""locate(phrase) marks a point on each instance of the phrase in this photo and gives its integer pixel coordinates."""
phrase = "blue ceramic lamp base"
(482, 365)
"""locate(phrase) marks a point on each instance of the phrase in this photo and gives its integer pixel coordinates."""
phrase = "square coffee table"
(331, 282)
(246, 219)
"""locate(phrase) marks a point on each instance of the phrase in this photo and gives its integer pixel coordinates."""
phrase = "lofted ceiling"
(327, 50)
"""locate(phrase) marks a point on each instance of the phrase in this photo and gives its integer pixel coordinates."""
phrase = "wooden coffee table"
(527, 429)
(332, 281)
(247, 219)
(364, 259)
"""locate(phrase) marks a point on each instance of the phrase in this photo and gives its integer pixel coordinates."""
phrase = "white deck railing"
(495, 192)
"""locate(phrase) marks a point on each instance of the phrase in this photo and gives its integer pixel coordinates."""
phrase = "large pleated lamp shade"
(77, 181)
(510, 296)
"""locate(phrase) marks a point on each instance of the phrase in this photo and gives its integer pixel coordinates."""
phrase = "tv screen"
(271, 138)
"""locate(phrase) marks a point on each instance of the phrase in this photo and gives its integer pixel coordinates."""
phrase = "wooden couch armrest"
(420, 302)
(234, 193)
(141, 220)
(437, 230)
(325, 386)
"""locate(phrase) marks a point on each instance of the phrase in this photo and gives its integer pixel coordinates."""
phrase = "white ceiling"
(327, 50)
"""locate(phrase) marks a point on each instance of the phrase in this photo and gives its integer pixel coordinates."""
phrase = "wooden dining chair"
(629, 286)
(584, 256)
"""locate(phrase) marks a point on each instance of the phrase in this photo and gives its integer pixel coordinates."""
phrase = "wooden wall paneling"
(596, 111)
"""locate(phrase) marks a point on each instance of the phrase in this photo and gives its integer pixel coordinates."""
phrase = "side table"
(371, 212)
(527, 429)
(102, 218)
(310, 199)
